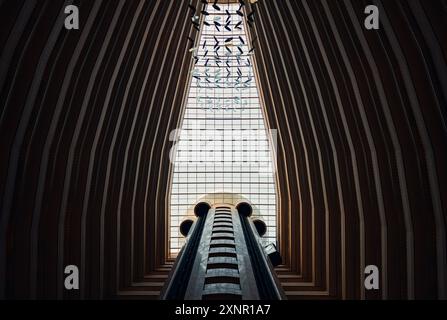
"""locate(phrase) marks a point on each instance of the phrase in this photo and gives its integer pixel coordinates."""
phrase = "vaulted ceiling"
(84, 144)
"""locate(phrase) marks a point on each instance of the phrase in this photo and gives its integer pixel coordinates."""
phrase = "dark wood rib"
(85, 118)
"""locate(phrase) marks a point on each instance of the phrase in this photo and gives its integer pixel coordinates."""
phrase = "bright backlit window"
(223, 145)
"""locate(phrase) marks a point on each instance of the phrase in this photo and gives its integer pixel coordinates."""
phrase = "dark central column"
(229, 262)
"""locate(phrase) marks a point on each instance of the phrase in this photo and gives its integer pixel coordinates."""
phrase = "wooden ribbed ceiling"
(84, 131)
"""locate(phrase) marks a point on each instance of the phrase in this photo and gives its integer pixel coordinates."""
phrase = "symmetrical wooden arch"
(84, 144)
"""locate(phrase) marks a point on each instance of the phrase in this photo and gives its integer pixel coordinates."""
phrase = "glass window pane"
(224, 145)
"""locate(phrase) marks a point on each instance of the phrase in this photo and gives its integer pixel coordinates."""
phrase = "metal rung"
(223, 218)
(222, 229)
(214, 242)
(222, 214)
(223, 245)
(222, 288)
(222, 251)
(222, 272)
(227, 235)
(223, 224)
(216, 260)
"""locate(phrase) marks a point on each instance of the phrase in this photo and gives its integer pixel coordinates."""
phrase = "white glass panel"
(223, 102)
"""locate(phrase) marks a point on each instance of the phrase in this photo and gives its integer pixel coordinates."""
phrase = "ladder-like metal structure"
(223, 258)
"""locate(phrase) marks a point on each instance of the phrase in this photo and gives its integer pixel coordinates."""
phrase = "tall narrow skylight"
(223, 145)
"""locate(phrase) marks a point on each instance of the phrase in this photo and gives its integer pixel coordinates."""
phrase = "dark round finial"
(185, 226)
(201, 209)
(244, 209)
(261, 227)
